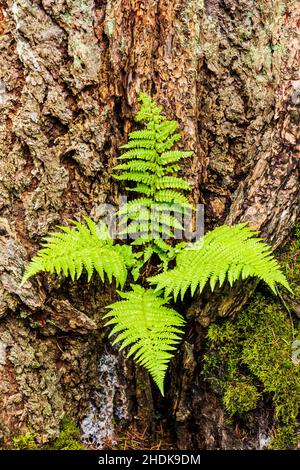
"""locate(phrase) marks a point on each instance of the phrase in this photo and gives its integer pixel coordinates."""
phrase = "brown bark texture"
(70, 72)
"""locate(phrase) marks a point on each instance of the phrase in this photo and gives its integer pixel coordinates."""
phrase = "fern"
(151, 170)
(151, 330)
(141, 320)
(148, 160)
(172, 197)
(84, 247)
(226, 252)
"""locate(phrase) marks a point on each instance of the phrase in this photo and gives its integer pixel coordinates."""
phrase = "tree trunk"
(70, 73)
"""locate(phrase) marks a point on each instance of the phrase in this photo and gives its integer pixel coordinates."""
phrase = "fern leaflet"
(86, 246)
(151, 330)
(230, 252)
(150, 168)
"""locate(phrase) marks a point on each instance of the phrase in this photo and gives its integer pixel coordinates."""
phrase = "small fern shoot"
(86, 246)
(225, 252)
(151, 330)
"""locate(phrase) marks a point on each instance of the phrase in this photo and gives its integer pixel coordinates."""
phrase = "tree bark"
(70, 73)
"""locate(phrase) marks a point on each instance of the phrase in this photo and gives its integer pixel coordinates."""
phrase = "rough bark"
(69, 76)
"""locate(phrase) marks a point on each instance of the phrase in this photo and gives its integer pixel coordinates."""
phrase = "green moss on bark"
(69, 437)
(240, 397)
(252, 356)
(25, 441)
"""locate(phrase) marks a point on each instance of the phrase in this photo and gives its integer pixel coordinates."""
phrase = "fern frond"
(139, 154)
(146, 178)
(172, 168)
(152, 216)
(127, 254)
(172, 182)
(150, 211)
(142, 135)
(135, 205)
(84, 247)
(165, 130)
(171, 157)
(171, 197)
(231, 252)
(153, 168)
(139, 143)
(140, 166)
(141, 188)
(142, 239)
(143, 214)
(162, 245)
(151, 330)
(148, 227)
(167, 220)
(149, 110)
(163, 146)
(166, 125)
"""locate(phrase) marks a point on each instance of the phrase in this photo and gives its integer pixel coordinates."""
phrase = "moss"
(252, 355)
(284, 438)
(25, 441)
(240, 397)
(69, 437)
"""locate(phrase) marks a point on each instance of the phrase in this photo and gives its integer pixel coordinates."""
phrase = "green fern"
(151, 330)
(142, 321)
(86, 246)
(151, 170)
(225, 252)
(148, 158)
